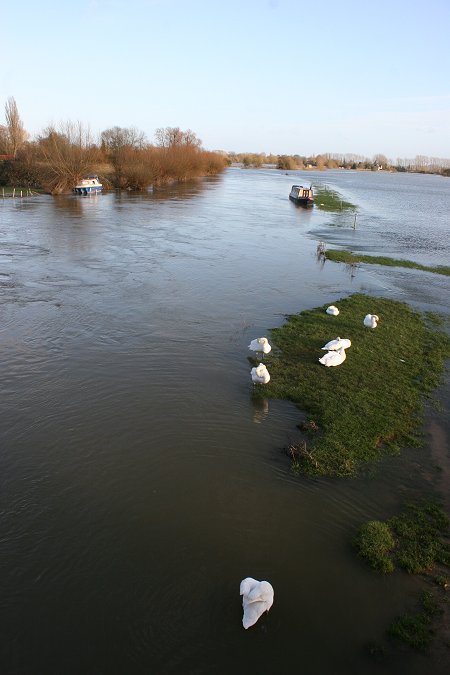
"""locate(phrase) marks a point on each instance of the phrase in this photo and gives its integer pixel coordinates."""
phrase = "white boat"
(88, 186)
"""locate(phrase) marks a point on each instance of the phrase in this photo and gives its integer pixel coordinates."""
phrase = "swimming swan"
(260, 345)
(334, 358)
(257, 598)
(337, 344)
(332, 310)
(260, 374)
(371, 320)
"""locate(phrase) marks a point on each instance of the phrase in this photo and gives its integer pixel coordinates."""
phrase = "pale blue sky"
(279, 76)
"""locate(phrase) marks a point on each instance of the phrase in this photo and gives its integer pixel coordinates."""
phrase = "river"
(139, 482)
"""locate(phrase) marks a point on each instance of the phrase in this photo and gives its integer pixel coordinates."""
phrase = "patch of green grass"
(420, 532)
(416, 540)
(375, 542)
(330, 200)
(371, 404)
(350, 258)
(415, 629)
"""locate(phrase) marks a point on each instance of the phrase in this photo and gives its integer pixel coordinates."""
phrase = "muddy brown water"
(139, 482)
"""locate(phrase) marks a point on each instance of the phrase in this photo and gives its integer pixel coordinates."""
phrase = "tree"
(67, 155)
(16, 132)
(381, 160)
(122, 137)
(4, 140)
(169, 137)
(118, 142)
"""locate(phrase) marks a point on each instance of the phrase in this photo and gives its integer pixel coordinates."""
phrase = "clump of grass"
(420, 532)
(371, 404)
(415, 629)
(330, 200)
(415, 540)
(375, 542)
(348, 258)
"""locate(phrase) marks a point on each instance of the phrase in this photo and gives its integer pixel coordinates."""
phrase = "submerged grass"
(330, 200)
(416, 540)
(371, 404)
(416, 628)
(350, 258)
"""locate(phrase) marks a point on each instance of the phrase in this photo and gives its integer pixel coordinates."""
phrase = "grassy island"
(330, 200)
(368, 406)
(350, 258)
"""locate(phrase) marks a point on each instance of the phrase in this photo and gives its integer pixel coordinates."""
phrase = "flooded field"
(139, 482)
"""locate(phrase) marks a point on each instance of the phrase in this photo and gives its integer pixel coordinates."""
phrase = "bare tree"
(16, 132)
(123, 137)
(4, 140)
(118, 142)
(68, 154)
(169, 137)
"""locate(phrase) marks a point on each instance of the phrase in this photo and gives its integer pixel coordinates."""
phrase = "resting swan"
(334, 358)
(337, 344)
(260, 374)
(257, 598)
(260, 345)
(332, 310)
(371, 320)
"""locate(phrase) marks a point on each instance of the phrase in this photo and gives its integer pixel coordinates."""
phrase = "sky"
(272, 76)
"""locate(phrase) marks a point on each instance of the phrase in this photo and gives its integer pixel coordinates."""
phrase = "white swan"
(257, 598)
(260, 374)
(337, 344)
(260, 345)
(332, 310)
(371, 320)
(334, 358)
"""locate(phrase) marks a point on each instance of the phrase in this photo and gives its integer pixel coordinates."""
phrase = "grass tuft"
(375, 542)
(416, 540)
(415, 629)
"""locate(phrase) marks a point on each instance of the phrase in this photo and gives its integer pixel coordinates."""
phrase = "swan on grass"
(260, 345)
(260, 374)
(332, 310)
(333, 345)
(257, 598)
(334, 358)
(371, 320)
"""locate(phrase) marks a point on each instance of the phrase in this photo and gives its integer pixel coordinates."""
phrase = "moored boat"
(302, 196)
(87, 186)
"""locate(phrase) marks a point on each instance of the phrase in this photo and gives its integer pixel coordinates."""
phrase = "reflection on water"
(260, 410)
(140, 482)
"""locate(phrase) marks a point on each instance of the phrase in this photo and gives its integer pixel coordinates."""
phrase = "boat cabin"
(302, 195)
(88, 185)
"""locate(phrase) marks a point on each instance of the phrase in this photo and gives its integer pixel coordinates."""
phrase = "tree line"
(418, 164)
(123, 157)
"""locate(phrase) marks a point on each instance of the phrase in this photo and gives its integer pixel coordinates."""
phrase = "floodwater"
(139, 482)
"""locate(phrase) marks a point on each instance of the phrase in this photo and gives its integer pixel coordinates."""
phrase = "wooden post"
(3, 193)
(354, 222)
(14, 192)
